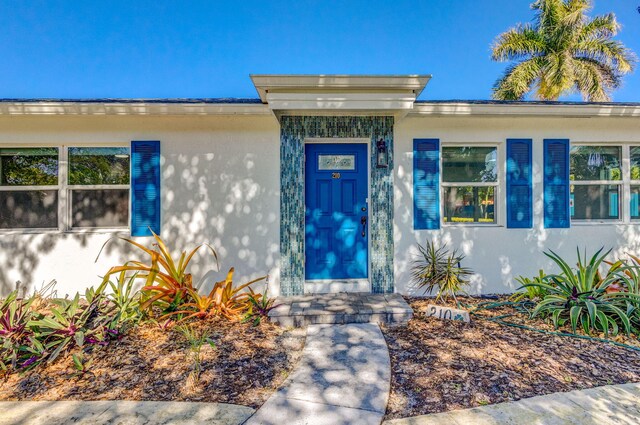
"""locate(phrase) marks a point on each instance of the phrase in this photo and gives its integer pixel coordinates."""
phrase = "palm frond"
(609, 52)
(518, 80)
(517, 43)
(604, 26)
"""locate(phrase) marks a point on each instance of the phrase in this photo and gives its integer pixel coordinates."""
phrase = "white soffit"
(393, 94)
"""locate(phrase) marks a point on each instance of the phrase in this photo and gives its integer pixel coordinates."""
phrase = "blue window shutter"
(519, 184)
(426, 184)
(145, 188)
(556, 183)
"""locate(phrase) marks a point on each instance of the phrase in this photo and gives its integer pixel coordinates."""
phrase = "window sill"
(445, 224)
(601, 223)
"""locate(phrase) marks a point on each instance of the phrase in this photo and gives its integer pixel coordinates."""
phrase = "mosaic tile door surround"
(293, 132)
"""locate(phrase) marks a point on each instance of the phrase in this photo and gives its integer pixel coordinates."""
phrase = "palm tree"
(563, 51)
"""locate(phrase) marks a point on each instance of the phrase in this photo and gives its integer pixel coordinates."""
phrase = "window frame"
(624, 191)
(64, 190)
(31, 188)
(69, 188)
(497, 185)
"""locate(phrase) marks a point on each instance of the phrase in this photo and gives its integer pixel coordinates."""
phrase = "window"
(29, 188)
(469, 184)
(56, 188)
(596, 182)
(98, 187)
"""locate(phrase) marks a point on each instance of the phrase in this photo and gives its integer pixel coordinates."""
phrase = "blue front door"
(336, 211)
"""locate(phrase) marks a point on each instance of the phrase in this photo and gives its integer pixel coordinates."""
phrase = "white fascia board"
(268, 83)
(341, 101)
(470, 109)
(90, 108)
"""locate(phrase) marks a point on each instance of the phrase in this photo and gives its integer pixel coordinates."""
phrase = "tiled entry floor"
(340, 308)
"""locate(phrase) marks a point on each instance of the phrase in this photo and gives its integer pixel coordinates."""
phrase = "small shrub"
(196, 338)
(439, 269)
(259, 307)
(529, 291)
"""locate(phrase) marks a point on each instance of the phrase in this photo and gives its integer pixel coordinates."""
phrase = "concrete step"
(340, 308)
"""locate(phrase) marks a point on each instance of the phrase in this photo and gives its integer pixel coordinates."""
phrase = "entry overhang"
(340, 94)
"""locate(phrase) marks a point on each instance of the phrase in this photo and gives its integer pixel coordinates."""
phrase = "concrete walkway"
(613, 404)
(120, 412)
(343, 378)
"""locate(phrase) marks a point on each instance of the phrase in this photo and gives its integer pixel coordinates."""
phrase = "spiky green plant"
(439, 270)
(579, 295)
(562, 52)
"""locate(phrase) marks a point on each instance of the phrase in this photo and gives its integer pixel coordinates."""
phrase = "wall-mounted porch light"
(382, 154)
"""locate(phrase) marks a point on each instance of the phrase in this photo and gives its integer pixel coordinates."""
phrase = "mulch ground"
(439, 365)
(246, 365)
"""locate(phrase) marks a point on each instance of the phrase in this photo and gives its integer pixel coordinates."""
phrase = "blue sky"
(152, 49)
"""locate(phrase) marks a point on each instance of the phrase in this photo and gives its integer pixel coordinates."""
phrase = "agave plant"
(439, 268)
(579, 295)
(167, 282)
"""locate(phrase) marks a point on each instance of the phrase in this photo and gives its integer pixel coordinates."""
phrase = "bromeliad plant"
(579, 296)
(169, 286)
(224, 300)
(439, 269)
(167, 283)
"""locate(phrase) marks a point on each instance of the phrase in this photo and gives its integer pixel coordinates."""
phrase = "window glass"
(29, 167)
(595, 163)
(100, 208)
(595, 202)
(635, 202)
(469, 204)
(98, 166)
(635, 162)
(469, 164)
(29, 209)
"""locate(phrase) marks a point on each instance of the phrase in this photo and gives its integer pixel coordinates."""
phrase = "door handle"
(363, 221)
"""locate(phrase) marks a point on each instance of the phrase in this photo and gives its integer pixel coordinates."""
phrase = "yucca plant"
(579, 295)
(438, 269)
(167, 282)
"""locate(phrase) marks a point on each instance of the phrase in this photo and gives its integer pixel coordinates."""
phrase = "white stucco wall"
(495, 253)
(220, 184)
